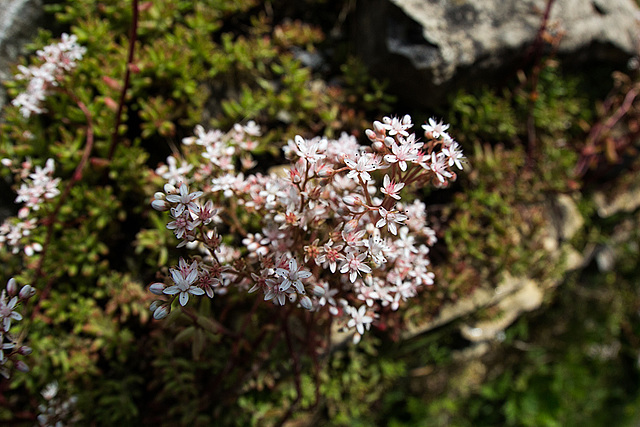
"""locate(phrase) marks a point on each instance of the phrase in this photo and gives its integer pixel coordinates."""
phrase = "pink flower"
(390, 188)
(439, 167)
(330, 256)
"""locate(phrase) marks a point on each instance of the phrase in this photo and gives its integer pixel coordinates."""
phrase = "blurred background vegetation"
(289, 66)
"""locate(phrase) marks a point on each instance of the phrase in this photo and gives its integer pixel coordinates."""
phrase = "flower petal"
(184, 298)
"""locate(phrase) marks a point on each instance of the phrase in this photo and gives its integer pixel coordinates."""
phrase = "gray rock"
(429, 47)
(19, 21)
(613, 202)
(564, 217)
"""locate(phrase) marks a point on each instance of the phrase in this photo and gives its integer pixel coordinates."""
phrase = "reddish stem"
(536, 49)
(589, 151)
(127, 76)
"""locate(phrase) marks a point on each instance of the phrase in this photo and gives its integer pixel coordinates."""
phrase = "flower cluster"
(56, 411)
(36, 187)
(10, 345)
(330, 232)
(57, 59)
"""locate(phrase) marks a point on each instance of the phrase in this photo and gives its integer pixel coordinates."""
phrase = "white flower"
(354, 265)
(50, 390)
(293, 276)
(59, 58)
(435, 129)
(396, 126)
(6, 311)
(173, 174)
(439, 167)
(184, 200)
(359, 318)
(377, 247)
(184, 279)
(390, 188)
(454, 153)
(390, 218)
(407, 151)
(360, 169)
(310, 149)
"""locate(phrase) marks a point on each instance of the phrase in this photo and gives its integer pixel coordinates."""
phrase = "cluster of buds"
(57, 411)
(10, 345)
(57, 60)
(36, 187)
(330, 232)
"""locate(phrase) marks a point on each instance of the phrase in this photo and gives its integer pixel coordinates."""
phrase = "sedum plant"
(324, 234)
(76, 144)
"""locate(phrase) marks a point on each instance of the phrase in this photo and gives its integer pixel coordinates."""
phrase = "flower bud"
(371, 228)
(157, 288)
(305, 302)
(110, 103)
(379, 128)
(25, 350)
(21, 366)
(160, 205)
(325, 171)
(26, 292)
(161, 312)
(112, 83)
(12, 287)
(169, 188)
(352, 200)
(317, 290)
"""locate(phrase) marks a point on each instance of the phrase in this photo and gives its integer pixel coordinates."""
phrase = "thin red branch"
(589, 150)
(536, 51)
(127, 76)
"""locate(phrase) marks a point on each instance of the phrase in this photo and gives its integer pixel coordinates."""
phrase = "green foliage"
(220, 62)
(559, 107)
(214, 63)
(497, 222)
